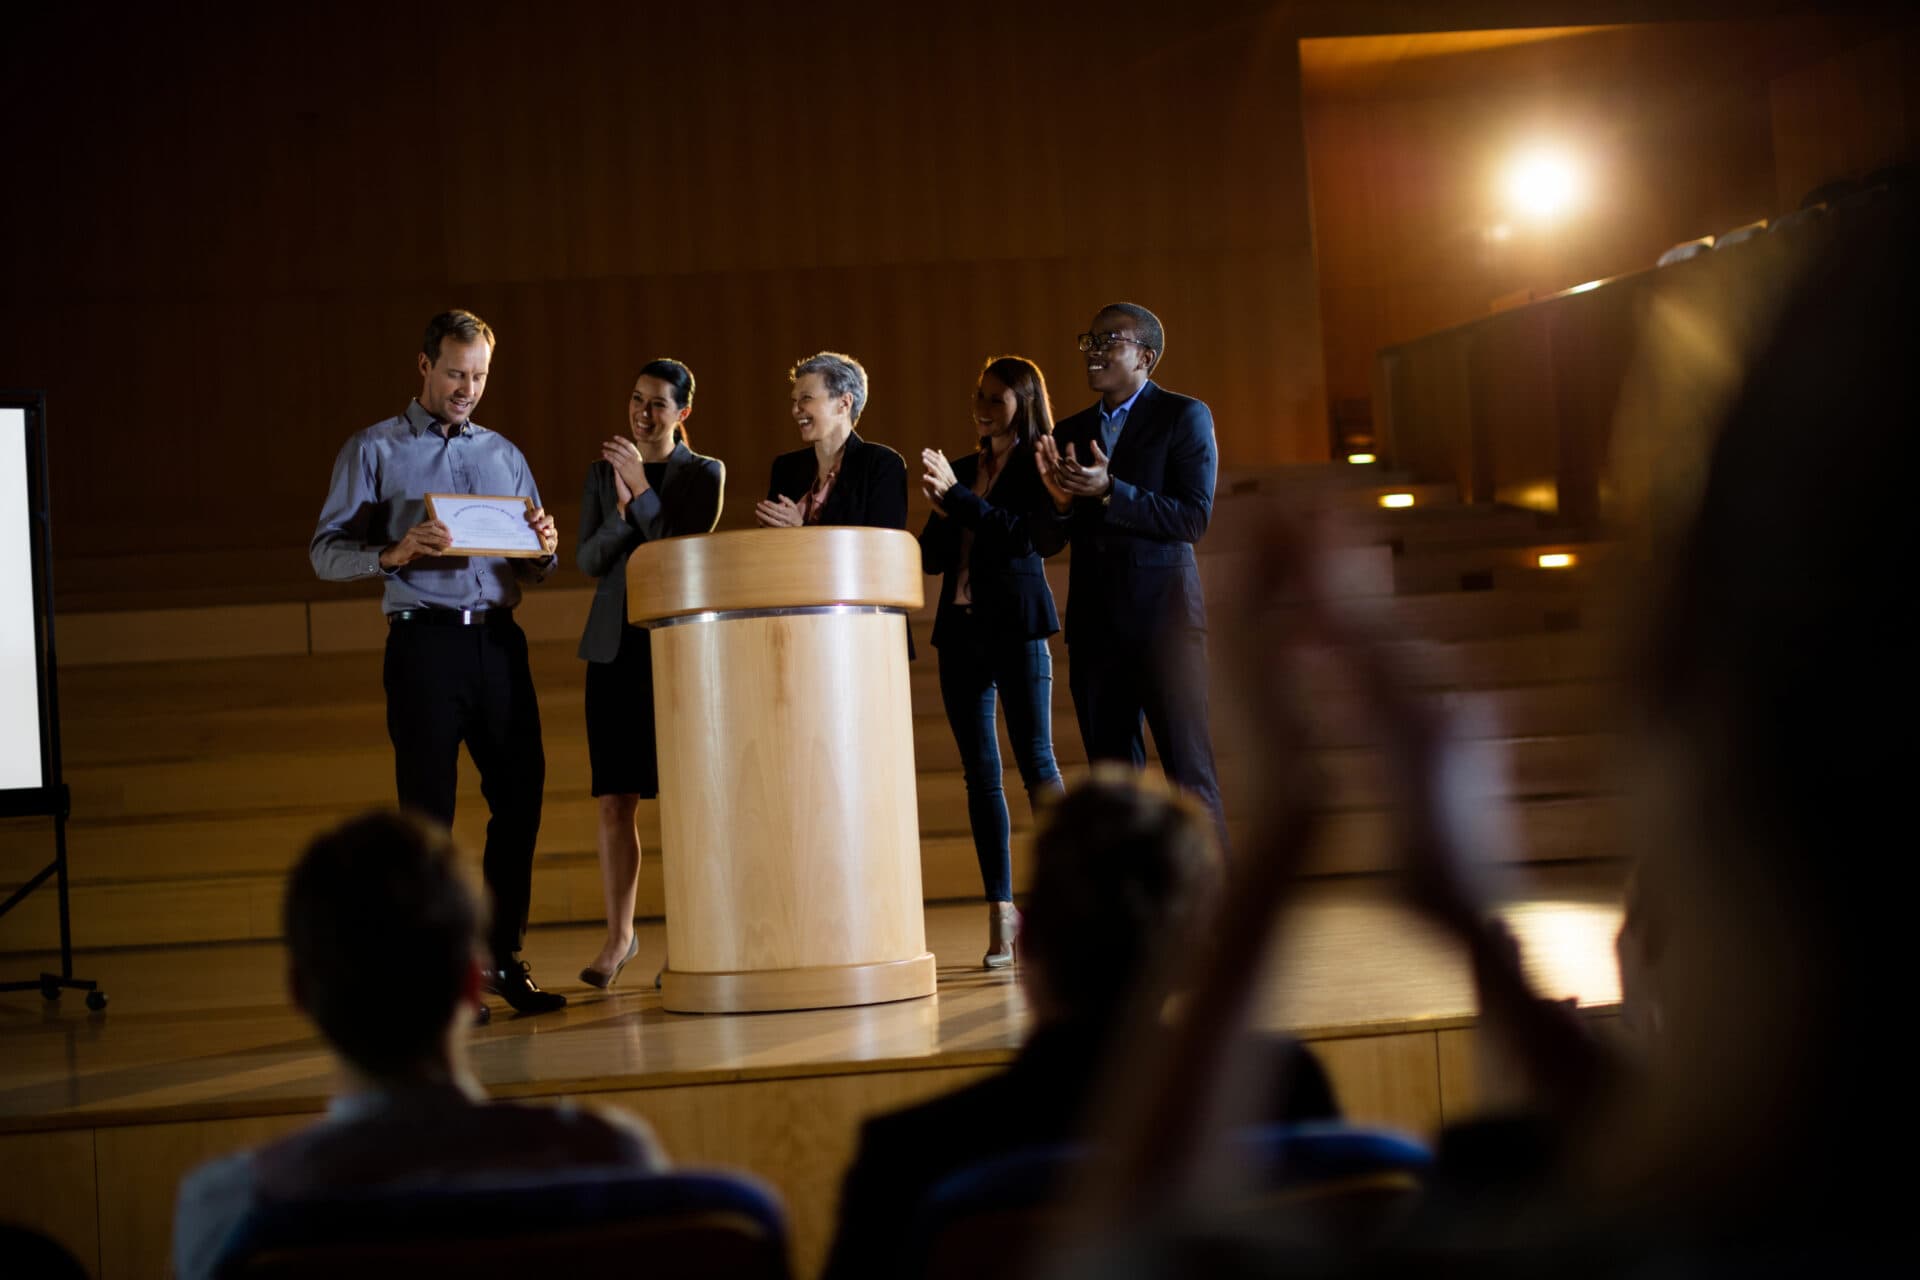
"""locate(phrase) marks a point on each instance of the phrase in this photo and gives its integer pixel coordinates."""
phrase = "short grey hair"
(842, 373)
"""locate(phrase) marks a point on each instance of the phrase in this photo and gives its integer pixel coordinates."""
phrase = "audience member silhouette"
(1121, 867)
(1766, 928)
(383, 935)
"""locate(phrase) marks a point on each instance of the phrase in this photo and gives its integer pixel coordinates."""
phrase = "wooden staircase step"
(253, 685)
(363, 777)
(566, 886)
(1335, 720)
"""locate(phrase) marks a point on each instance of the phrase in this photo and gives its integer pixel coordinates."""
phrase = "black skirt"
(620, 743)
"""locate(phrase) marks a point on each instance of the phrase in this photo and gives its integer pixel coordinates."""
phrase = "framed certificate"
(486, 525)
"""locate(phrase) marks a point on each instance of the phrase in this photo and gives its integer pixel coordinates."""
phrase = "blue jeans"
(973, 667)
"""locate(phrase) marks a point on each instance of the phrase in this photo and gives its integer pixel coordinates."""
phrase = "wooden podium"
(788, 812)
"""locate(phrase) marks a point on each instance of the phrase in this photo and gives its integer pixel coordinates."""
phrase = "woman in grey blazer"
(647, 487)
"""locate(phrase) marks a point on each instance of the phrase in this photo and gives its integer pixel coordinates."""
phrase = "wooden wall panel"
(241, 231)
(1387, 1080)
(1846, 115)
(138, 1174)
(109, 1193)
(49, 1187)
(799, 1134)
(1478, 1076)
(1511, 363)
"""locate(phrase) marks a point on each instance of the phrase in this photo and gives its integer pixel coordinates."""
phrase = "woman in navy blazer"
(995, 614)
(645, 488)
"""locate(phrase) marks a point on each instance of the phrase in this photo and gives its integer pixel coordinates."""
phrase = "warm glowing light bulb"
(1543, 183)
(1557, 560)
(1396, 500)
(1360, 459)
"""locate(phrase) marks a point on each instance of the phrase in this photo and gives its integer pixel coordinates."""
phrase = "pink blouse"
(816, 497)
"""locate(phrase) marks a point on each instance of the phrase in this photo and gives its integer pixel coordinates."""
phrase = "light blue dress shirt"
(1112, 420)
(380, 480)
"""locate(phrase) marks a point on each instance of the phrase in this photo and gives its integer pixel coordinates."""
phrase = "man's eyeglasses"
(1101, 341)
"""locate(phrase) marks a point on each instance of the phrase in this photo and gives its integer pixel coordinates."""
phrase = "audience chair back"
(1829, 194)
(1325, 1184)
(1741, 234)
(1801, 219)
(588, 1222)
(1684, 250)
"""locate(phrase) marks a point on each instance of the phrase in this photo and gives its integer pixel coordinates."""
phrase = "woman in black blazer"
(648, 487)
(996, 612)
(838, 478)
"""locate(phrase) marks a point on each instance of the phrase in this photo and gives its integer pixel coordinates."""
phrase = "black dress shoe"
(511, 978)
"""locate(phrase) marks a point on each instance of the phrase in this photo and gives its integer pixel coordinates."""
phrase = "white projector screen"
(21, 732)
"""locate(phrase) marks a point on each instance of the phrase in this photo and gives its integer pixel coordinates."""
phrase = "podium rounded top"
(773, 569)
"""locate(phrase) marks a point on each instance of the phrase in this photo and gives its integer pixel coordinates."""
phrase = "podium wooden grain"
(783, 714)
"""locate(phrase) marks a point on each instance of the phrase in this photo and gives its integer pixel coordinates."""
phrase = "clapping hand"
(1446, 823)
(1084, 479)
(1046, 458)
(938, 479)
(629, 468)
(778, 513)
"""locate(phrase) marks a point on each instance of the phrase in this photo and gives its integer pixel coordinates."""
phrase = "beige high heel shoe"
(1003, 926)
(595, 978)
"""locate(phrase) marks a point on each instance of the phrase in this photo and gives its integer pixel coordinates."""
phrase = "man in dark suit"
(1132, 483)
(1123, 875)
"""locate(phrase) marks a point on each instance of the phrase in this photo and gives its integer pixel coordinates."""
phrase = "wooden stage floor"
(199, 1052)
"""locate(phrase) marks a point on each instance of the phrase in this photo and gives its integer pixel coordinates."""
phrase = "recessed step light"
(1557, 560)
(1361, 459)
(1396, 500)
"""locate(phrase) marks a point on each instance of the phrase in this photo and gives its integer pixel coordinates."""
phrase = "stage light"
(1543, 183)
(1360, 459)
(1557, 560)
(1395, 501)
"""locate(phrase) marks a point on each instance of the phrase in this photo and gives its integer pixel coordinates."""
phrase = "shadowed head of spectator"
(383, 933)
(1123, 867)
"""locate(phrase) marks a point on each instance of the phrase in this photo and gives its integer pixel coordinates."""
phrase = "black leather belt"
(450, 617)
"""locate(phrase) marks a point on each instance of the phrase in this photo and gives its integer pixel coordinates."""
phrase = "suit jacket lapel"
(679, 458)
(1139, 420)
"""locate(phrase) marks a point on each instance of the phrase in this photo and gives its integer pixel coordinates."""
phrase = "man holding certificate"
(447, 513)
